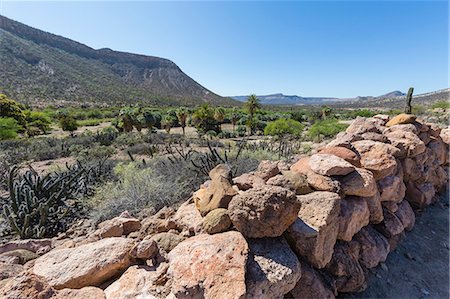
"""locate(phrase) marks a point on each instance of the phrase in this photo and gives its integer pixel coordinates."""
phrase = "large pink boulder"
(209, 266)
(326, 164)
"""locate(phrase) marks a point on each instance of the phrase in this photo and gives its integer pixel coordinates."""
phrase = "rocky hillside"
(40, 66)
(309, 229)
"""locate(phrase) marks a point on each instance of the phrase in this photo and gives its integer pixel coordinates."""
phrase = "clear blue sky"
(326, 48)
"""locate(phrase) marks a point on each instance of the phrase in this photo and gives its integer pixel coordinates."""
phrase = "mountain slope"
(40, 66)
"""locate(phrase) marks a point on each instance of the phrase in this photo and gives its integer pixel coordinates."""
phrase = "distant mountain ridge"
(396, 97)
(37, 65)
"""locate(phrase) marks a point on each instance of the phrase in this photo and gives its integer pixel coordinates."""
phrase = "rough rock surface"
(86, 265)
(402, 118)
(354, 216)
(374, 247)
(167, 241)
(391, 188)
(326, 164)
(139, 281)
(375, 208)
(267, 169)
(216, 221)
(406, 215)
(247, 181)
(83, 293)
(264, 211)
(377, 157)
(298, 181)
(350, 276)
(26, 285)
(272, 268)
(219, 192)
(117, 227)
(359, 183)
(188, 218)
(311, 285)
(314, 233)
(210, 266)
(344, 153)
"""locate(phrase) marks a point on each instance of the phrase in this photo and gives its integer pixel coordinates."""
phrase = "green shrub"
(8, 128)
(11, 109)
(326, 128)
(445, 104)
(283, 127)
(68, 123)
(39, 120)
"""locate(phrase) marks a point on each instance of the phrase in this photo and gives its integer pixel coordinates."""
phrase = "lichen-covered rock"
(344, 139)
(315, 231)
(209, 266)
(406, 215)
(298, 181)
(392, 189)
(344, 153)
(402, 118)
(39, 246)
(281, 181)
(247, 181)
(216, 221)
(359, 183)
(445, 135)
(375, 137)
(439, 150)
(140, 281)
(272, 268)
(350, 276)
(377, 157)
(326, 164)
(311, 285)
(354, 216)
(18, 256)
(374, 247)
(86, 265)
(402, 127)
(167, 241)
(265, 211)
(8, 271)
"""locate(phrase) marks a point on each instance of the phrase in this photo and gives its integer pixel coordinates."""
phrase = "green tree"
(10, 108)
(234, 117)
(37, 120)
(182, 115)
(127, 119)
(68, 123)
(219, 116)
(168, 122)
(326, 111)
(283, 127)
(252, 105)
(203, 119)
(8, 128)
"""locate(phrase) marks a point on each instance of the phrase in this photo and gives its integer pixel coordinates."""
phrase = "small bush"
(326, 128)
(445, 104)
(9, 128)
(283, 127)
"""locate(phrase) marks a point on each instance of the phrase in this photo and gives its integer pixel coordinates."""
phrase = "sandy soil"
(419, 267)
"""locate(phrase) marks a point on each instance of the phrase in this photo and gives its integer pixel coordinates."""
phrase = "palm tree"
(167, 122)
(219, 115)
(234, 117)
(182, 115)
(326, 111)
(252, 105)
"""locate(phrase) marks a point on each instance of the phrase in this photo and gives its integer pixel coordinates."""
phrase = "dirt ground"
(419, 267)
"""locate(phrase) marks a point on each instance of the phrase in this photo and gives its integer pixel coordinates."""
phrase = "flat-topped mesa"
(306, 230)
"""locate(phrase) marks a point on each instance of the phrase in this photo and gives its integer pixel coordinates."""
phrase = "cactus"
(408, 108)
(40, 206)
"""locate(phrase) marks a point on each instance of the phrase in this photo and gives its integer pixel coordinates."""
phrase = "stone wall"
(341, 210)
(308, 229)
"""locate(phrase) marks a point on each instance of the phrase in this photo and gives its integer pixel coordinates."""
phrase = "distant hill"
(39, 66)
(393, 99)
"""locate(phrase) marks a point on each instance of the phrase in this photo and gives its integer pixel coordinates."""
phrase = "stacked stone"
(307, 230)
(341, 210)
